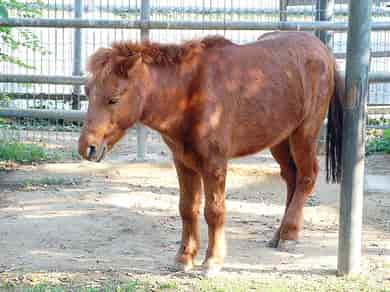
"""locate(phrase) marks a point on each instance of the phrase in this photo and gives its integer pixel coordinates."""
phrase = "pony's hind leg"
(303, 143)
(282, 155)
(190, 197)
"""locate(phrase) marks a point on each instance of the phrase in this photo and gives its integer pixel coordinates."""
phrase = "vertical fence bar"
(78, 12)
(283, 10)
(324, 12)
(141, 130)
(351, 196)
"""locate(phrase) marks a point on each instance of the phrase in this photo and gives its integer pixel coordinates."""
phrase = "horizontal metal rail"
(379, 77)
(78, 116)
(379, 109)
(71, 116)
(42, 79)
(375, 54)
(291, 10)
(40, 96)
(381, 127)
(375, 108)
(374, 77)
(195, 25)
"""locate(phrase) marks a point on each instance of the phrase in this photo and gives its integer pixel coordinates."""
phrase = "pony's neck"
(167, 100)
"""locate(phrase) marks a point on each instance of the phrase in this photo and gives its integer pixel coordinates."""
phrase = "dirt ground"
(121, 216)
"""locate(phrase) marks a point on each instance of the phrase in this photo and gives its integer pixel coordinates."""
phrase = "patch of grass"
(23, 152)
(171, 286)
(222, 284)
(323, 284)
(241, 285)
(124, 287)
(51, 181)
(42, 288)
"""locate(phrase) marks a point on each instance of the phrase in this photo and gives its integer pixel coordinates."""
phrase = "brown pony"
(212, 100)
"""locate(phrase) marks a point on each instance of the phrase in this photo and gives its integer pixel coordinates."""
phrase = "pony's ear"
(123, 64)
(151, 54)
(147, 59)
(98, 61)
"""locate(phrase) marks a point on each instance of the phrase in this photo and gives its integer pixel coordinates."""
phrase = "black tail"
(334, 132)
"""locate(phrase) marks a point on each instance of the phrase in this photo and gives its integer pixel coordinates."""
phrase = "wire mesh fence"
(63, 52)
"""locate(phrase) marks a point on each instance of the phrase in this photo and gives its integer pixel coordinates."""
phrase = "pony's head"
(116, 94)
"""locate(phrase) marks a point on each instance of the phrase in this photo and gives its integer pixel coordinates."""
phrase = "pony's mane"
(121, 55)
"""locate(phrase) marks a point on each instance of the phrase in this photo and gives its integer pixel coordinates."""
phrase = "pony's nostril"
(91, 151)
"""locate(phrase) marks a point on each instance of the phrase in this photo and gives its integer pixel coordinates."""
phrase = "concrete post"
(353, 146)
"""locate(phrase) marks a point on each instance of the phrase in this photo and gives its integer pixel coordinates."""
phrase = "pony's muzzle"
(94, 153)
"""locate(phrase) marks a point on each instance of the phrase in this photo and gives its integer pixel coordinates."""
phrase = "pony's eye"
(113, 101)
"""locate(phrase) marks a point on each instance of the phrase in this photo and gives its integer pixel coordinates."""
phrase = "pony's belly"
(252, 143)
(244, 151)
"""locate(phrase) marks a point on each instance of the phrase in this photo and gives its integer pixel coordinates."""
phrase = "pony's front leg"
(214, 187)
(190, 196)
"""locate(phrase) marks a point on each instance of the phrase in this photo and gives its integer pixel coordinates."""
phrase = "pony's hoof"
(184, 262)
(184, 267)
(287, 245)
(211, 269)
(273, 243)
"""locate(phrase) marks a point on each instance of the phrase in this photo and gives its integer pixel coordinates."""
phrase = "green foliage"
(4, 99)
(15, 38)
(22, 152)
(3, 11)
(386, 134)
(378, 121)
(379, 144)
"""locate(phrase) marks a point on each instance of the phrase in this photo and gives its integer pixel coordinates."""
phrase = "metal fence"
(45, 103)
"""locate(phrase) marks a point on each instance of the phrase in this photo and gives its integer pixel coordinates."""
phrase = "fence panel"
(65, 48)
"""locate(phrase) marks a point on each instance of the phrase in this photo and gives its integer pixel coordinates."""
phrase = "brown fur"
(212, 100)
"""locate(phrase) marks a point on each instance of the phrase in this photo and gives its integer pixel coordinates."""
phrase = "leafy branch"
(16, 38)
